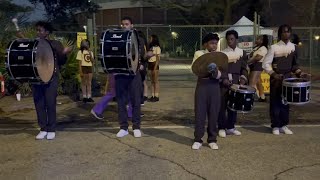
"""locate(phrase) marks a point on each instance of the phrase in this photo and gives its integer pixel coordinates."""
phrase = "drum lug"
(284, 102)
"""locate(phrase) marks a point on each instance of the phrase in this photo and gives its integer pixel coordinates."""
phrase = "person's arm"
(158, 52)
(244, 70)
(295, 66)
(79, 58)
(261, 52)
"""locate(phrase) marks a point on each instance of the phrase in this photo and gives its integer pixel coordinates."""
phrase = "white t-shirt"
(262, 51)
(156, 51)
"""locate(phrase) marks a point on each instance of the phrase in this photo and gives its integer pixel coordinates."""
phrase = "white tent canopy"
(244, 27)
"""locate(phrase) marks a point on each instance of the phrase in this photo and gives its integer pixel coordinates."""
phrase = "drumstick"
(15, 22)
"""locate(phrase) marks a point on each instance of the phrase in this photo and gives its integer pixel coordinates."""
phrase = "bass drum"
(119, 51)
(30, 60)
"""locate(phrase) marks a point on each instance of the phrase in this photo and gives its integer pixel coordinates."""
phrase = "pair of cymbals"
(200, 66)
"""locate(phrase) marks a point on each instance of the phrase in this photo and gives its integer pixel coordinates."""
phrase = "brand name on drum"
(115, 36)
(23, 45)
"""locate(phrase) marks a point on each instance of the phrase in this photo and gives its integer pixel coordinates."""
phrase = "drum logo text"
(23, 45)
(115, 36)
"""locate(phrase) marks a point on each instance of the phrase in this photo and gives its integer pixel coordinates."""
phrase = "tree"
(206, 11)
(306, 10)
(61, 13)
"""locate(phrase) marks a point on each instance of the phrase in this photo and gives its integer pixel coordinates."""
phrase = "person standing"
(153, 67)
(45, 95)
(207, 97)
(86, 61)
(255, 64)
(280, 62)
(237, 74)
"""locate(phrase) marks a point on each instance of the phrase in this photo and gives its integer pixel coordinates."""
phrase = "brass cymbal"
(200, 66)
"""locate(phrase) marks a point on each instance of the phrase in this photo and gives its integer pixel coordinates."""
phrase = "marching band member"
(279, 63)
(207, 97)
(237, 74)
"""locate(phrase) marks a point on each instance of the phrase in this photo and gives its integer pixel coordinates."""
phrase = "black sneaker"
(262, 100)
(151, 99)
(156, 99)
(141, 115)
(90, 100)
(85, 100)
(145, 98)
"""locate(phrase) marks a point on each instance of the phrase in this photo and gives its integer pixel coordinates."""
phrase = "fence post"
(310, 49)
(200, 42)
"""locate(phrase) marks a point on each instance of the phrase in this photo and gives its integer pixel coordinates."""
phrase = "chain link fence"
(178, 44)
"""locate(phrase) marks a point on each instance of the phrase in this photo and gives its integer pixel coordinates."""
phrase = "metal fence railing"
(178, 43)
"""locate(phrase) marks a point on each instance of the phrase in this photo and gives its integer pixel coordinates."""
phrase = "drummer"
(237, 74)
(207, 97)
(45, 95)
(279, 63)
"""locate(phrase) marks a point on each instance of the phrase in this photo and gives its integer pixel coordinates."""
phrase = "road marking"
(159, 127)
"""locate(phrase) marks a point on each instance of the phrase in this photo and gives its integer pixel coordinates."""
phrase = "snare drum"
(30, 60)
(241, 98)
(119, 52)
(296, 91)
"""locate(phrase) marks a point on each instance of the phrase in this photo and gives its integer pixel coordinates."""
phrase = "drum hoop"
(8, 59)
(244, 112)
(295, 84)
(243, 91)
(298, 103)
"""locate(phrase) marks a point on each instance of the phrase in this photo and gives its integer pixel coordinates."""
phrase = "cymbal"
(200, 66)
(45, 61)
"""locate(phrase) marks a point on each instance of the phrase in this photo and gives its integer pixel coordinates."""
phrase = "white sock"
(84, 96)
(89, 95)
(263, 96)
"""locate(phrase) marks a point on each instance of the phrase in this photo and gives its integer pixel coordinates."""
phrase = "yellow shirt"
(156, 51)
(85, 57)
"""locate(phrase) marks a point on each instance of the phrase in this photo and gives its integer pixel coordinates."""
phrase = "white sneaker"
(51, 135)
(222, 133)
(137, 133)
(233, 132)
(275, 131)
(196, 145)
(285, 130)
(41, 135)
(122, 133)
(213, 146)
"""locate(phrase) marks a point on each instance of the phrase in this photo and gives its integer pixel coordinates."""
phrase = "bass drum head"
(44, 60)
(134, 49)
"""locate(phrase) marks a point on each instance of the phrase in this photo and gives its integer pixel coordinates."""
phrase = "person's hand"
(303, 75)
(277, 76)
(242, 81)
(226, 82)
(141, 67)
(67, 50)
(149, 54)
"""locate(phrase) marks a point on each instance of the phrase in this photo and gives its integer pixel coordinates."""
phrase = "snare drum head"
(243, 89)
(44, 59)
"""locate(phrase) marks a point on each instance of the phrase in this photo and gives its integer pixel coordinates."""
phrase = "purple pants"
(100, 107)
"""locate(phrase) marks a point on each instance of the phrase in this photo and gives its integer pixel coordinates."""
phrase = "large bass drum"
(30, 60)
(119, 51)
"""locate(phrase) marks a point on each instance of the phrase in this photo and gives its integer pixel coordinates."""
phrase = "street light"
(317, 37)
(174, 36)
